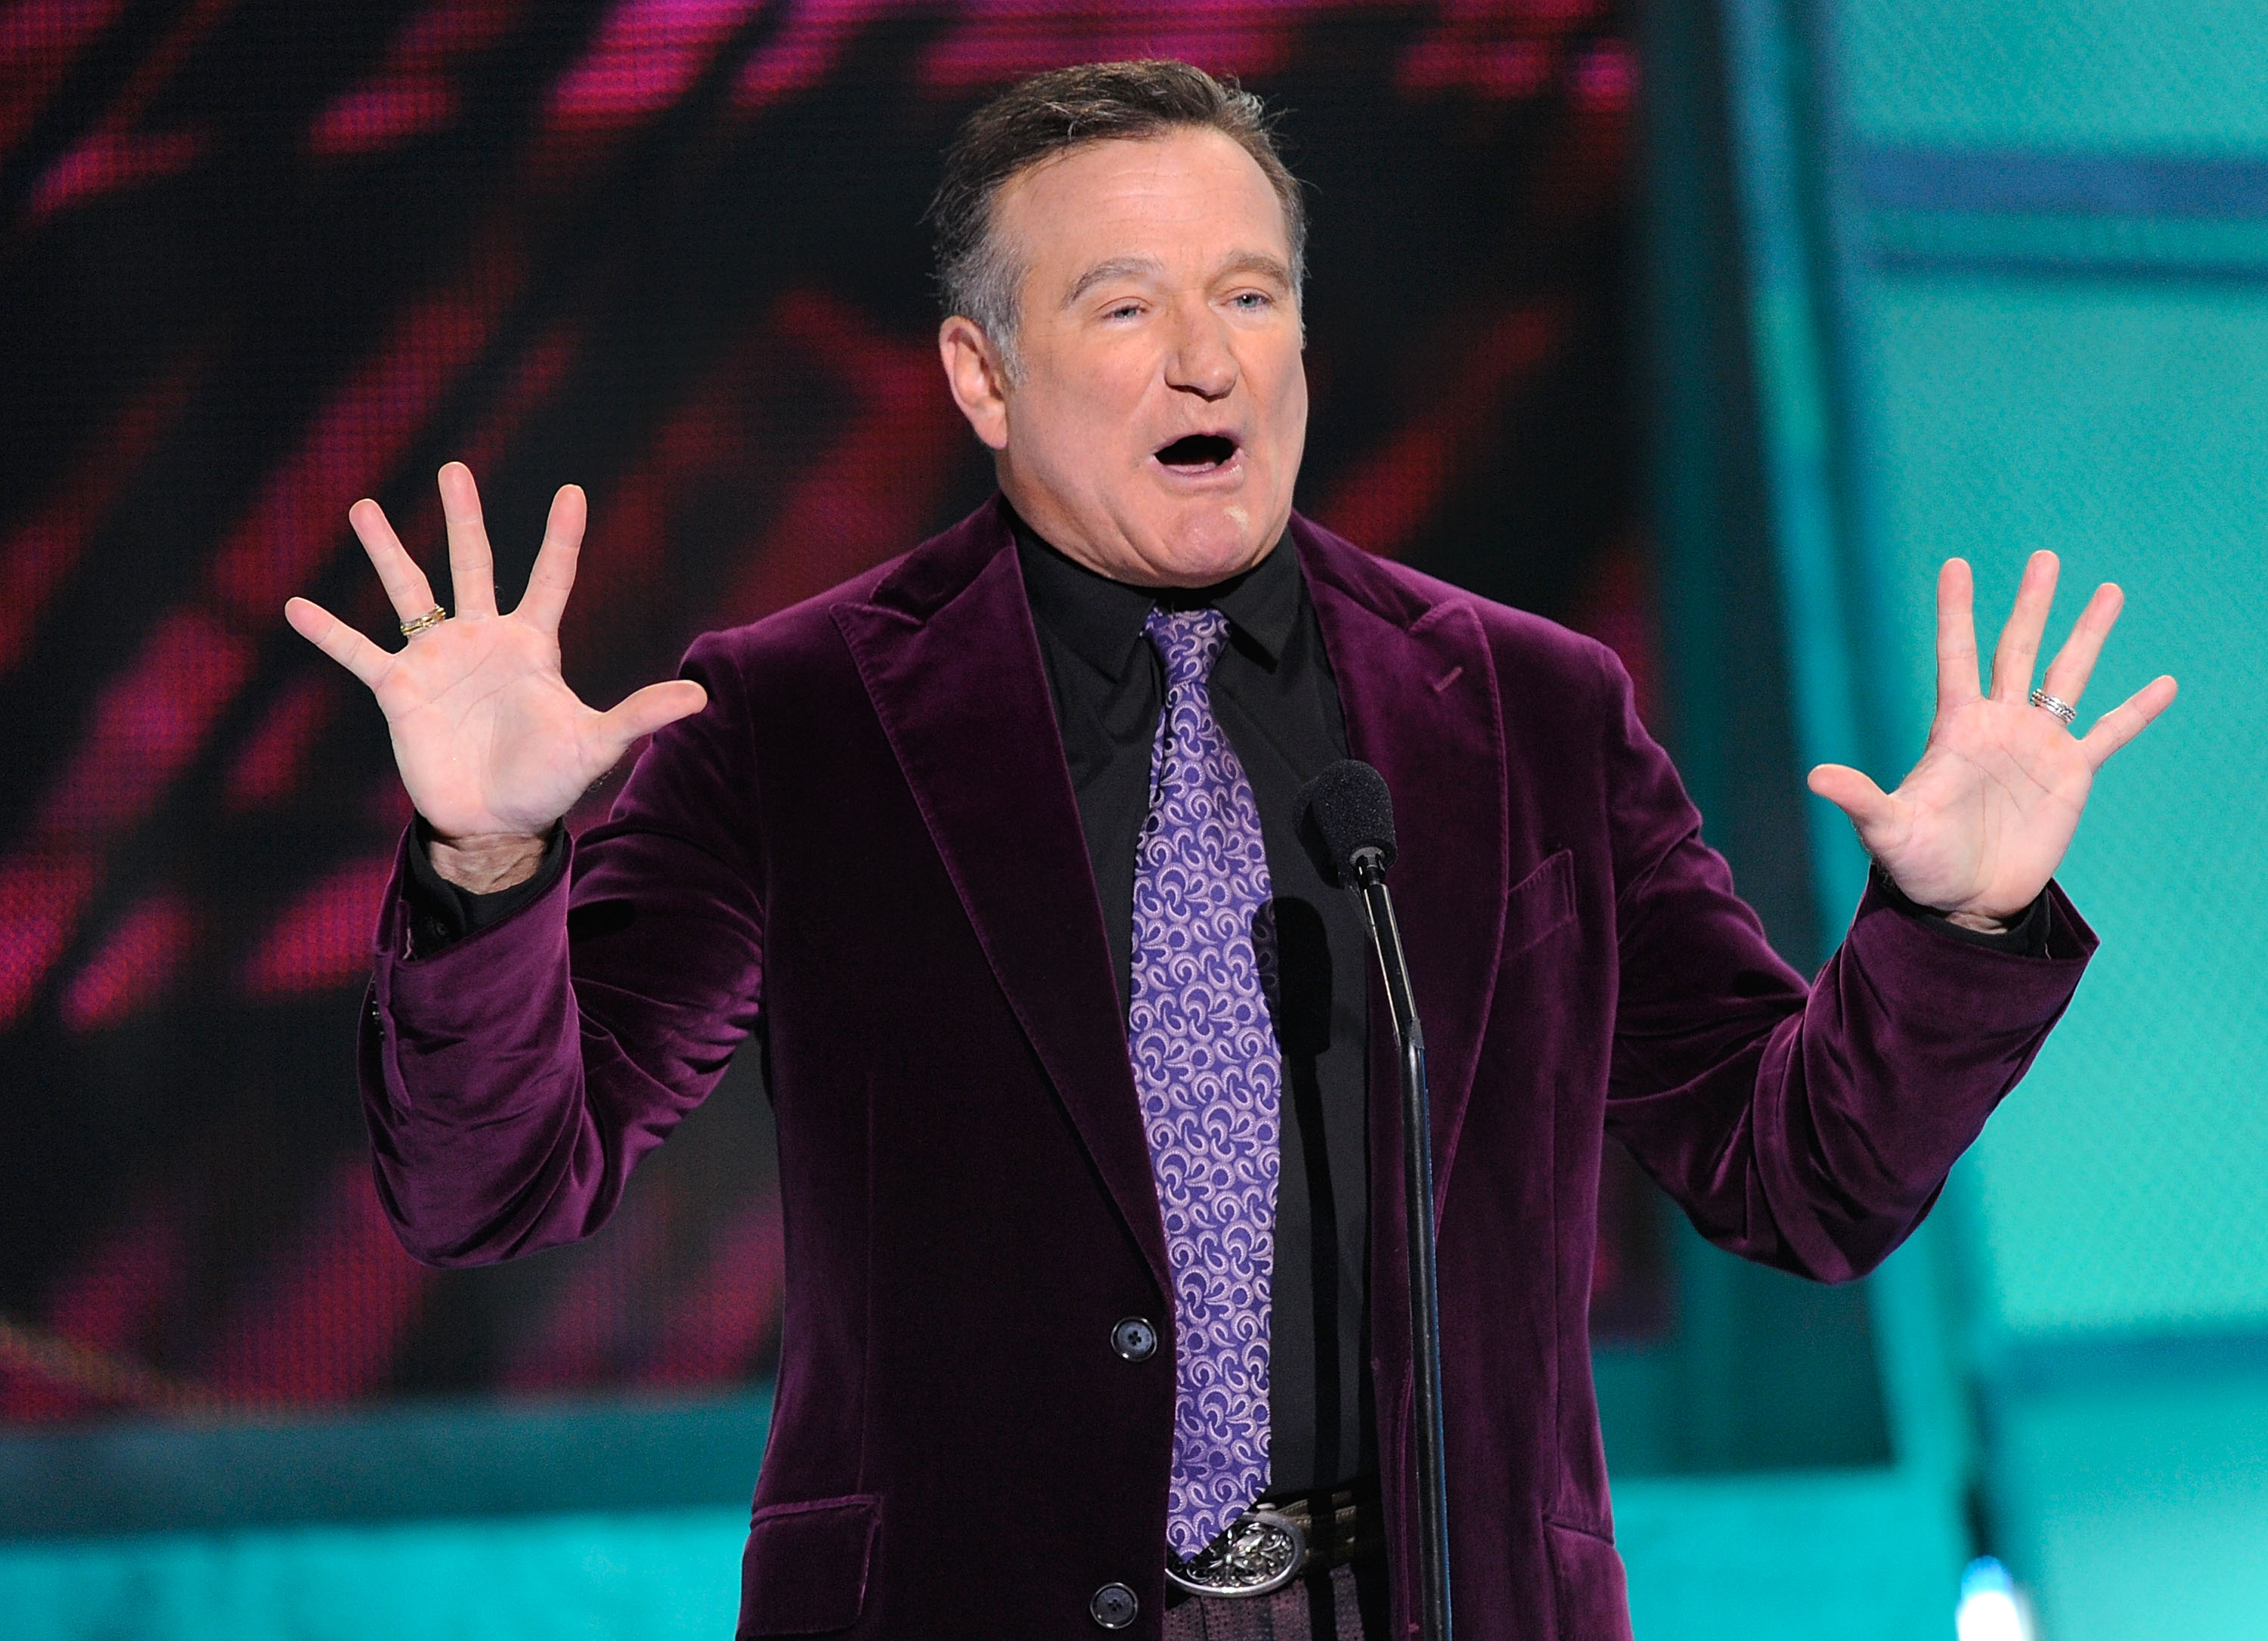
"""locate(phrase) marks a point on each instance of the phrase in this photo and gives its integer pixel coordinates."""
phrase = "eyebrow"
(1115, 268)
(1124, 267)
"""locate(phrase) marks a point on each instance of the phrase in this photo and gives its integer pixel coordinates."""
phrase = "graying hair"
(978, 273)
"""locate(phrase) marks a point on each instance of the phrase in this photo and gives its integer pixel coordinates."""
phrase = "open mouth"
(1199, 452)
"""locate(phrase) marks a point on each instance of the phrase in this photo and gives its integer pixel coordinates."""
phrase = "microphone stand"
(1369, 875)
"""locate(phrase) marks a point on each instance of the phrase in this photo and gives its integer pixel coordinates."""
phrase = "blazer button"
(1114, 1607)
(1134, 1340)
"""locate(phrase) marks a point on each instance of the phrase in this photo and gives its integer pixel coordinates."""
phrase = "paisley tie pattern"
(1211, 1076)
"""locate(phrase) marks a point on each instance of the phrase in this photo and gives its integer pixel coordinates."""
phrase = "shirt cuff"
(2026, 936)
(441, 913)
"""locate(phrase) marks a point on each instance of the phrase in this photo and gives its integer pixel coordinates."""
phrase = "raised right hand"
(493, 746)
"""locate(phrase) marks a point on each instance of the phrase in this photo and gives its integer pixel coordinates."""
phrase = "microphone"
(1348, 807)
(1350, 810)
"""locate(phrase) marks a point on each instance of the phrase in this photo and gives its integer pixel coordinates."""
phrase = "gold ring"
(433, 617)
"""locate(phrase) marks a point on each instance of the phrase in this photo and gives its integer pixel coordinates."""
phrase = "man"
(1087, 1138)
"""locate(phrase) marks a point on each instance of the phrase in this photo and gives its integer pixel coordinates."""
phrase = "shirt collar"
(1100, 620)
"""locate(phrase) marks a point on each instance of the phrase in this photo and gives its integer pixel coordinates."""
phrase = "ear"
(972, 371)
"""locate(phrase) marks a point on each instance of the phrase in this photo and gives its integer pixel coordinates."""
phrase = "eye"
(1252, 301)
(1122, 310)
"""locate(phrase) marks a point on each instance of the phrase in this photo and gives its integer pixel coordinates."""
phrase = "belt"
(1275, 1542)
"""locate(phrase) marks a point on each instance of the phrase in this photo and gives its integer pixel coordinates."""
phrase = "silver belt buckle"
(1257, 1554)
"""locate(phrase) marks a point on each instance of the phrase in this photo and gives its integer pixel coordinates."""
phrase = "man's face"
(1157, 430)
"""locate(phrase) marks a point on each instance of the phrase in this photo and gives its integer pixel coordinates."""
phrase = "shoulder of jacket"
(1531, 652)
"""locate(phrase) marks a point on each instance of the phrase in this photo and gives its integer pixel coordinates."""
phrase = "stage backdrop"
(259, 260)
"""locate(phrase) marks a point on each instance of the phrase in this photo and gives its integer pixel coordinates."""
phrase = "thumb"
(648, 709)
(1869, 807)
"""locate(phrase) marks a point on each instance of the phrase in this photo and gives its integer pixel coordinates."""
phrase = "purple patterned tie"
(1210, 1078)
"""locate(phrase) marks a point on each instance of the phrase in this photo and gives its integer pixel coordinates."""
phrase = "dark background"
(257, 260)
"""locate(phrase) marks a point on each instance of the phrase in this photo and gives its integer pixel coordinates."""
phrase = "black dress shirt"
(1274, 695)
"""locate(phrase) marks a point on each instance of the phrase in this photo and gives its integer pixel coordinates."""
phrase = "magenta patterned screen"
(258, 260)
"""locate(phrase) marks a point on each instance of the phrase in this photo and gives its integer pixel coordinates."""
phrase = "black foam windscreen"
(1348, 808)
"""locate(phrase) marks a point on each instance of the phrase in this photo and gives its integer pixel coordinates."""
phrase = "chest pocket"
(1540, 904)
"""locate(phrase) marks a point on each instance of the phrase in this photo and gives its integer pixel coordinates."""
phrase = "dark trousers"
(1345, 1604)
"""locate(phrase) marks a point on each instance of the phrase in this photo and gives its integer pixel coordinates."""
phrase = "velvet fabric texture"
(876, 802)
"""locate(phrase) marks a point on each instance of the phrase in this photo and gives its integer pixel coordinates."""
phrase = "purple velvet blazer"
(876, 800)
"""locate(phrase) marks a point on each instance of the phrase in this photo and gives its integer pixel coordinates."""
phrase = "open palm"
(1982, 820)
(490, 741)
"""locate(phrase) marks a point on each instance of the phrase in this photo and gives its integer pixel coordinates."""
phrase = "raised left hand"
(1981, 823)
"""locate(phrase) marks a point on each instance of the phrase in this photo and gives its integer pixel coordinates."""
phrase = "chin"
(1203, 551)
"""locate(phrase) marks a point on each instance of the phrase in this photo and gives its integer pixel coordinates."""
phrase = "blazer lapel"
(1418, 687)
(951, 660)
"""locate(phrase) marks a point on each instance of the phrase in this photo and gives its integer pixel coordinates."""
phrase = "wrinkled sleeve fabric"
(1808, 1128)
(513, 1078)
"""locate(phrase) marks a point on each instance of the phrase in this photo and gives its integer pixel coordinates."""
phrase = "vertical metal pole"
(1425, 1294)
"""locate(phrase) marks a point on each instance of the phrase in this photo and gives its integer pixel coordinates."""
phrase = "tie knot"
(1189, 641)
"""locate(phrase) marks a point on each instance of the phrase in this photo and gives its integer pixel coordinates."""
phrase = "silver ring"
(433, 617)
(2063, 709)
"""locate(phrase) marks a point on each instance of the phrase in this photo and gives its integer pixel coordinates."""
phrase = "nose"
(1199, 360)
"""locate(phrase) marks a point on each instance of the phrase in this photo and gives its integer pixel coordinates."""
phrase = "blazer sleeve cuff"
(2026, 935)
(1993, 983)
(442, 913)
(500, 996)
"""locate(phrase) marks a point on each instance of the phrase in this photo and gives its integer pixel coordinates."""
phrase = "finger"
(1956, 635)
(1870, 809)
(406, 586)
(647, 711)
(641, 713)
(2019, 639)
(335, 638)
(2129, 719)
(472, 567)
(2074, 663)
(553, 579)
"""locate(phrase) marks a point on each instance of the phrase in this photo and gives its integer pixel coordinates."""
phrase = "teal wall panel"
(2170, 76)
(2035, 246)
(2140, 1509)
(2125, 1185)
(1854, 1556)
(582, 1578)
